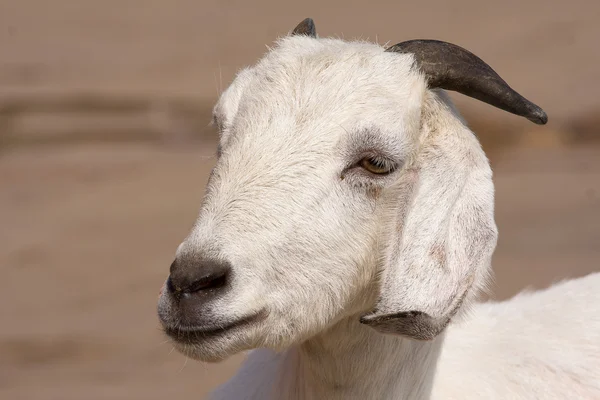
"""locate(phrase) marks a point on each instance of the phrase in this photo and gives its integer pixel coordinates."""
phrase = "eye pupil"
(376, 165)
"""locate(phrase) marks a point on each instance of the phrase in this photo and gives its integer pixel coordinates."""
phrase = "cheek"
(329, 264)
(313, 293)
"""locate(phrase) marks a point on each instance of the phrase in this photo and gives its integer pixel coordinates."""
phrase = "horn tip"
(538, 116)
(306, 28)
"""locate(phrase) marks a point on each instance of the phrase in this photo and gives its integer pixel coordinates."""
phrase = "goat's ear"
(446, 232)
(306, 28)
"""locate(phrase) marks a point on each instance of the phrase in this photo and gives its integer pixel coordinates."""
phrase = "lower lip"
(196, 336)
(193, 336)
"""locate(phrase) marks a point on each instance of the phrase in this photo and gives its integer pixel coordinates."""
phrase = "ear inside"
(446, 232)
(305, 28)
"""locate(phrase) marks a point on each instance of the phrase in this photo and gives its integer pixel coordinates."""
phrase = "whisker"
(184, 364)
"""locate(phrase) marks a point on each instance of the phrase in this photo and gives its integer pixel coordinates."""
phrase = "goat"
(347, 228)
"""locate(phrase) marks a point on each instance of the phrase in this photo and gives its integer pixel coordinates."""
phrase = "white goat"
(348, 219)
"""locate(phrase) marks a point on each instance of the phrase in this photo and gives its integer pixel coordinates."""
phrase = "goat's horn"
(306, 28)
(451, 67)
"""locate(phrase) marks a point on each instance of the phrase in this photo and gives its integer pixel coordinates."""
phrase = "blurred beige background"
(105, 149)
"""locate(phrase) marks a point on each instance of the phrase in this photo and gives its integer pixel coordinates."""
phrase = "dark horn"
(306, 28)
(448, 66)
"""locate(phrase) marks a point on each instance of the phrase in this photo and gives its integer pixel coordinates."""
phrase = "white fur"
(315, 243)
(542, 345)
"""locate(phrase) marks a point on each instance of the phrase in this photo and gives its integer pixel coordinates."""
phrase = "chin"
(204, 353)
(213, 349)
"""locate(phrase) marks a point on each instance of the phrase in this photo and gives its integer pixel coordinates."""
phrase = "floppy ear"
(445, 227)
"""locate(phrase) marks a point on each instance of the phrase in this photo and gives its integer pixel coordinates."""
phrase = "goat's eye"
(377, 165)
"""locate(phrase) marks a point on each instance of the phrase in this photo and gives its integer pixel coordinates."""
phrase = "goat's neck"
(352, 361)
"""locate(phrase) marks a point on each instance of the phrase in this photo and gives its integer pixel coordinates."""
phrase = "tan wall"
(546, 49)
(91, 215)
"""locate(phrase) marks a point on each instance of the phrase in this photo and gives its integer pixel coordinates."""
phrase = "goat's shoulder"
(543, 344)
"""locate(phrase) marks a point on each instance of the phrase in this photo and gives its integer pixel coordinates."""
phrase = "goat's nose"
(190, 275)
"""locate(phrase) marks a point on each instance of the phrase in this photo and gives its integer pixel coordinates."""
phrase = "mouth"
(194, 335)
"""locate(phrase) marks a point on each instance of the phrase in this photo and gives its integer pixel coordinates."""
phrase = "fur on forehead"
(354, 85)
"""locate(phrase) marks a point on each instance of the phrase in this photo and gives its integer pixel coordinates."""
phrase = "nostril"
(169, 285)
(213, 281)
(191, 275)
